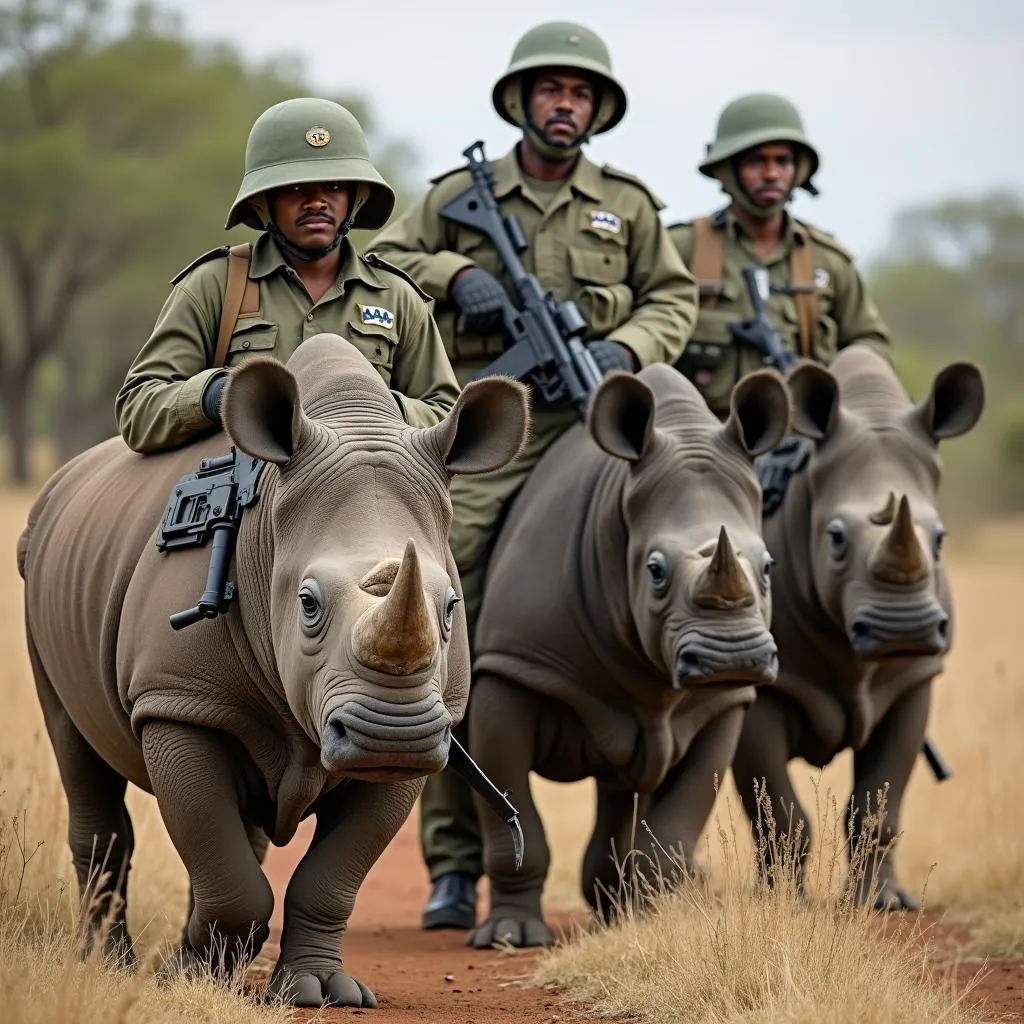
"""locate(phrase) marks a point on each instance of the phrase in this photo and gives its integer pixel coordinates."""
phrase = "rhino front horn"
(723, 584)
(398, 635)
(900, 559)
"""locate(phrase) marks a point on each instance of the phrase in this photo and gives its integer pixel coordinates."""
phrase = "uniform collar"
(586, 178)
(267, 259)
(793, 232)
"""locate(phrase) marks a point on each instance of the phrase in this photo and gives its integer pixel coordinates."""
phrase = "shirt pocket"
(600, 263)
(251, 338)
(377, 344)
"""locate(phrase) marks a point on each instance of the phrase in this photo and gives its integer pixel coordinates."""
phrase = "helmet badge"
(318, 136)
(573, 40)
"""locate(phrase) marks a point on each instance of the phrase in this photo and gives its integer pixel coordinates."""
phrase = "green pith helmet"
(560, 44)
(307, 140)
(752, 121)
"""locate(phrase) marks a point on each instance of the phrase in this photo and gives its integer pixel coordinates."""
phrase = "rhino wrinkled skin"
(862, 608)
(624, 628)
(329, 688)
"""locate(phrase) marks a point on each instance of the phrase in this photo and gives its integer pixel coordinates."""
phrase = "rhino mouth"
(886, 633)
(742, 658)
(378, 740)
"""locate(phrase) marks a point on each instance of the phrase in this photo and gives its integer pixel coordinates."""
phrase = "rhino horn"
(397, 635)
(900, 559)
(723, 584)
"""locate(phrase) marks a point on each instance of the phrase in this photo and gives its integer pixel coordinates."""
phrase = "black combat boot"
(452, 903)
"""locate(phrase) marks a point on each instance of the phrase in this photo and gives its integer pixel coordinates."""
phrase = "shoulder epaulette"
(380, 263)
(680, 224)
(822, 237)
(447, 174)
(220, 251)
(614, 172)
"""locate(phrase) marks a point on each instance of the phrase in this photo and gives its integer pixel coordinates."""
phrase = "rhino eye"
(837, 539)
(937, 541)
(311, 605)
(451, 599)
(766, 566)
(657, 566)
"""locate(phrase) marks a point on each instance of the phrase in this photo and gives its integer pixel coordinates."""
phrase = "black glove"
(212, 395)
(480, 300)
(610, 355)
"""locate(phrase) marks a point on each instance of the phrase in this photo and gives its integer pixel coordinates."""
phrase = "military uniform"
(594, 238)
(375, 306)
(845, 312)
(818, 300)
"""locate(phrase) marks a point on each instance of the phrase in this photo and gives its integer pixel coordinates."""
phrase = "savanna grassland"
(723, 954)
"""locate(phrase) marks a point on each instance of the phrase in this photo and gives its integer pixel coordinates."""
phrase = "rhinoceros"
(330, 686)
(862, 608)
(624, 629)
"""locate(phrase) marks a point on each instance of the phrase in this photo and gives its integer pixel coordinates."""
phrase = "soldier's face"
(309, 215)
(767, 173)
(561, 106)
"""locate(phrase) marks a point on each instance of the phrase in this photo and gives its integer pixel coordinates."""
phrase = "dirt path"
(431, 976)
(416, 975)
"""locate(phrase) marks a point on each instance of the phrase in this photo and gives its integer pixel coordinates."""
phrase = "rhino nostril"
(688, 659)
(335, 729)
(860, 629)
(942, 628)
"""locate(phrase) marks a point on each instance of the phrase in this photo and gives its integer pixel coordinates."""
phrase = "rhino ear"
(621, 416)
(486, 428)
(759, 412)
(954, 404)
(261, 411)
(815, 395)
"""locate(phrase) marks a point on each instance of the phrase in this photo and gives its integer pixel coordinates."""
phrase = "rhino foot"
(892, 898)
(118, 948)
(503, 930)
(320, 988)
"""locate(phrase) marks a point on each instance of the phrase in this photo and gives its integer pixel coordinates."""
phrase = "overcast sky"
(907, 100)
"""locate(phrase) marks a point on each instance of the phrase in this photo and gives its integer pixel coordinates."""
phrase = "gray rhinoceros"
(862, 609)
(624, 628)
(329, 688)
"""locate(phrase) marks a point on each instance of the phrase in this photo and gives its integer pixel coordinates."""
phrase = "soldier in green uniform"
(594, 237)
(818, 299)
(308, 180)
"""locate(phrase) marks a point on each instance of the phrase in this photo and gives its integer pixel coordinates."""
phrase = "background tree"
(121, 148)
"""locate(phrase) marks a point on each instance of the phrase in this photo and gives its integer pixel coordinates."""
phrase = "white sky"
(907, 100)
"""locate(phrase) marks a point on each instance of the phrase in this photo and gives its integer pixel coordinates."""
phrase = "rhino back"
(88, 530)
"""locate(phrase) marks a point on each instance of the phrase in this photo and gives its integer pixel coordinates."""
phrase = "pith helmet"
(305, 140)
(560, 44)
(752, 121)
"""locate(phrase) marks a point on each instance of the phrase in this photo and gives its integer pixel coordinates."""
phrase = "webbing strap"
(241, 298)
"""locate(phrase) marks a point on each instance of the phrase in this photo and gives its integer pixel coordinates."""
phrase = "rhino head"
(697, 567)
(354, 604)
(875, 532)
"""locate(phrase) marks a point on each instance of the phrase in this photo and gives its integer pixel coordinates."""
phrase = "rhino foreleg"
(503, 729)
(608, 865)
(780, 826)
(100, 832)
(195, 778)
(354, 823)
(885, 763)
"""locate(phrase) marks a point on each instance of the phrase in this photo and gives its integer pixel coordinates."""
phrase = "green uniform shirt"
(372, 305)
(846, 314)
(597, 241)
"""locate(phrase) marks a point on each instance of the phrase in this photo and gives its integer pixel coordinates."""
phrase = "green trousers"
(449, 829)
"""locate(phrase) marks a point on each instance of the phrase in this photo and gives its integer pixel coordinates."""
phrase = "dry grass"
(737, 952)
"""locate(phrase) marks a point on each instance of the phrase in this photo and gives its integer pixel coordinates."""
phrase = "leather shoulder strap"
(706, 260)
(805, 291)
(241, 296)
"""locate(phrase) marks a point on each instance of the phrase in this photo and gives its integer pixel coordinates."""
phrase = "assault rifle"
(545, 336)
(775, 468)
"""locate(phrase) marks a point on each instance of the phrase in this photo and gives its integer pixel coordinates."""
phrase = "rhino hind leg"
(100, 832)
(354, 824)
(780, 827)
(503, 729)
(884, 764)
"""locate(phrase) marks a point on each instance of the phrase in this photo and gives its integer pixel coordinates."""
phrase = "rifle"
(545, 336)
(775, 469)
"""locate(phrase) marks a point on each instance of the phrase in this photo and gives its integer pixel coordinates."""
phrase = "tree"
(120, 151)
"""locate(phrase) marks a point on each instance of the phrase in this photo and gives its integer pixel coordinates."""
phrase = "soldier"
(594, 237)
(818, 300)
(308, 180)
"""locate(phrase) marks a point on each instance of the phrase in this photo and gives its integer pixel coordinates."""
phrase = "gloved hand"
(480, 300)
(212, 395)
(610, 355)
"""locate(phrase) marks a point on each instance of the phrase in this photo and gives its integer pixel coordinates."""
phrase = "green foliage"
(120, 154)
